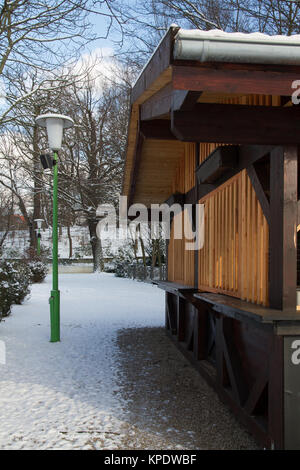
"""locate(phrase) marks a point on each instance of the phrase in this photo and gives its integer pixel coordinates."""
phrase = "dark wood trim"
(159, 62)
(171, 315)
(196, 252)
(238, 66)
(191, 196)
(184, 100)
(234, 363)
(200, 333)
(158, 129)
(222, 159)
(189, 343)
(205, 189)
(176, 198)
(259, 191)
(237, 124)
(249, 154)
(174, 288)
(283, 221)
(166, 99)
(257, 390)
(158, 104)
(276, 392)
(180, 318)
(238, 78)
(246, 376)
(243, 417)
(244, 311)
(220, 362)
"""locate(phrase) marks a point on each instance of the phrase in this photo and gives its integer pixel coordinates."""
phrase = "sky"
(100, 26)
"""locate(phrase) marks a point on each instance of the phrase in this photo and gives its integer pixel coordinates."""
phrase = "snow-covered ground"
(66, 395)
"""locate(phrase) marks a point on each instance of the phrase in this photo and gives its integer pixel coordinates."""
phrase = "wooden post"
(196, 254)
(275, 392)
(283, 228)
(291, 392)
(180, 318)
(200, 333)
(219, 351)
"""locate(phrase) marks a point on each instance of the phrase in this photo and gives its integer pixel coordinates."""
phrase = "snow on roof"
(237, 47)
(217, 34)
(218, 46)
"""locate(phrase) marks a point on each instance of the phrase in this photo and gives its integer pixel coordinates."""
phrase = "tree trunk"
(70, 242)
(7, 228)
(37, 187)
(29, 221)
(96, 247)
(159, 260)
(32, 235)
(3, 238)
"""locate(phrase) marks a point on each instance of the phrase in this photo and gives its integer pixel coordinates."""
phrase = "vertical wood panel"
(181, 266)
(234, 259)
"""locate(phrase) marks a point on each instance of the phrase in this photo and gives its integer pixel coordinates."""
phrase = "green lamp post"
(55, 124)
(39, 236)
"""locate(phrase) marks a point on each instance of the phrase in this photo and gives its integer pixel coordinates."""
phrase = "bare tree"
(270, 16)
(147, 20)
(44, 35)
(6, 214)
(15, 181)
(91, 169)
(23, 141)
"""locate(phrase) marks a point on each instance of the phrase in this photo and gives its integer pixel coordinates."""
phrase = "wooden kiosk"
(212, 122)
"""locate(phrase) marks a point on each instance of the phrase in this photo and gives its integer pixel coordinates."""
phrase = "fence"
(143, 273)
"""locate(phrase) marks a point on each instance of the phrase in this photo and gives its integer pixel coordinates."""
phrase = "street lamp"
(39, 236)
(55, 124)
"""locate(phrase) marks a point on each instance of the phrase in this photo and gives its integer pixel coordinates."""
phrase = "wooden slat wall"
(181, 264)
(159, 162)
(234, 259)
(205, 150)
(254, 100)
(185, 174)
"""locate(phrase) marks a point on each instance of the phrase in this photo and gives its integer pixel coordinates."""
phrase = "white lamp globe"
(55, 124)
(39, 222)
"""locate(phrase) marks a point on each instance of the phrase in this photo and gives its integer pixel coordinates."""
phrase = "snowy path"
(67, 395)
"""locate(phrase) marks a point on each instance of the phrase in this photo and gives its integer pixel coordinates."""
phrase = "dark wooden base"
(241, 360)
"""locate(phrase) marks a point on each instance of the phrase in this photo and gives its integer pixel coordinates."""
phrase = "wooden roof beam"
(158, 129)
(158, 63)
(236, 78)
(157, 105)
(166, 100)
(184, 100)
(238, 124)
(218, 162)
